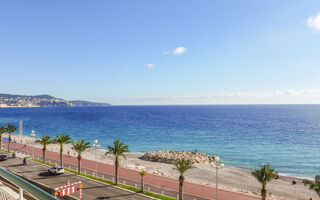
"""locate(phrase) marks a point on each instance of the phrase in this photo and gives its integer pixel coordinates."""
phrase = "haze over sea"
(286, 136)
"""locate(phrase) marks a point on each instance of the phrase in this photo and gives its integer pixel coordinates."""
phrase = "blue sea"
(286, 136)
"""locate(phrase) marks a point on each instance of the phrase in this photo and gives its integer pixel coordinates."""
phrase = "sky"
(152, 52)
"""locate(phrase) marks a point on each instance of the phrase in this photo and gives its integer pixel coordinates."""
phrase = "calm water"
(286, 136)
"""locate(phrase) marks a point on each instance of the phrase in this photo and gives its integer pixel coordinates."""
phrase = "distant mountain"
(88, 103)
(10, 100)
(45, 96)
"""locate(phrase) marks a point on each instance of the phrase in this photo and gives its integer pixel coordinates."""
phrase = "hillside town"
(32, 101)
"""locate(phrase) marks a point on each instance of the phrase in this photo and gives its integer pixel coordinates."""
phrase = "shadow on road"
(15, 165)
(122, 195)
(45, 174)
(95, 187)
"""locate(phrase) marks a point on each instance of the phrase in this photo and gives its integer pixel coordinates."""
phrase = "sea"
(246, 136)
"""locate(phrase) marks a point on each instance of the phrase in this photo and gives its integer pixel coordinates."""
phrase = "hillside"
(9, 100)
(88, 103)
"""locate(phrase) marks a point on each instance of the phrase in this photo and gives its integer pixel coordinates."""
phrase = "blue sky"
(162, 52)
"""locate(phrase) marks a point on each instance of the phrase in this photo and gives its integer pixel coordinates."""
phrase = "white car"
(56, 170)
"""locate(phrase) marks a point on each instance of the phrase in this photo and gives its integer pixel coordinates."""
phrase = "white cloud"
(314, 22)
(150, 66)
(179, 50)
(271, 97)
(176, 51)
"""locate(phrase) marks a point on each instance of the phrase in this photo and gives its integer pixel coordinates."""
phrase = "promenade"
(154, 183)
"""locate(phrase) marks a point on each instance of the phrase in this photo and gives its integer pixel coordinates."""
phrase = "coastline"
(230, 177)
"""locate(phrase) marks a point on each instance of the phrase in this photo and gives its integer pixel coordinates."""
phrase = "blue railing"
(28, 187)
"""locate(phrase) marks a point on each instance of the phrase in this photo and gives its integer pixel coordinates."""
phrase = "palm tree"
(80, 146)
(61, 140)
(182, 166)
(314, 185)
(3, 129)
(264, 175)
(118, 149)
(142, 174)
(10, 129)
(44, 141)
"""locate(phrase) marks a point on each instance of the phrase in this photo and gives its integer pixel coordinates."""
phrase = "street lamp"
(217, 159)
(33, 135)
(96, 146)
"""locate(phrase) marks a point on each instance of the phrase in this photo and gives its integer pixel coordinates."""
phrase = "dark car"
(3, 157)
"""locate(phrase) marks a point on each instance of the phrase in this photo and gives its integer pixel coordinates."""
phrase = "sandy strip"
(230, 178)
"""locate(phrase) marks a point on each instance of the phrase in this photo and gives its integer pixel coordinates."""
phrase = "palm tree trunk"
(181, 181)
(43, 155)
(61, 156)
(79, 164)
(9, 145)
(116, 170)
(0, 142)
(142, 184)
(263, 193)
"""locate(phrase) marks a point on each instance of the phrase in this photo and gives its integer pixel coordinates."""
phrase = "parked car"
(3, 157)
(56, 170)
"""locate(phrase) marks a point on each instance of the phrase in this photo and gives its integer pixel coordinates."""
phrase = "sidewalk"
(155, 183)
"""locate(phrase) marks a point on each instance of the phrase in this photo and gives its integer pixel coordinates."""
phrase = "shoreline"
(139, 154)
(230, 177)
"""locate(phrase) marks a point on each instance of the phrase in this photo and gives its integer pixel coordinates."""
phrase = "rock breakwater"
(174, 156)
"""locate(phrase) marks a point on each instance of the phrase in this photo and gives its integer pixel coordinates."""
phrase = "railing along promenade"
(20, 185)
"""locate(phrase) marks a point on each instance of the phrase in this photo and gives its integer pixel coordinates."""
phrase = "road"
(91, 189)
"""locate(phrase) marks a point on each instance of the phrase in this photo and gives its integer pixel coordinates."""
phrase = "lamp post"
(96, 146)
(33, 135)
(217, 159)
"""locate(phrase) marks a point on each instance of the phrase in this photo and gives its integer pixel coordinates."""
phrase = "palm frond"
(80, 146)
(142, 173)
(11, 129)
(45, 140)
(313, 185)
(265, 174)
(118, 149)
(183, 165)
(63, 139)
(3, 129)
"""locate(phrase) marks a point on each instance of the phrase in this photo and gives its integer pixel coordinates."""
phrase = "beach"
(230, 178)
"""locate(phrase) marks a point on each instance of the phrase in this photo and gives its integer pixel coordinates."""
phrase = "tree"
(10, 130)
(142, 174)
(264, 175)
(182, 166)
(313, 185)
(118, 149)
(61, 140)
(44, 141)
(80, 146)
(3, 129)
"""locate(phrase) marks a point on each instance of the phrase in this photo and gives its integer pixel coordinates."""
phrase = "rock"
(174, 156)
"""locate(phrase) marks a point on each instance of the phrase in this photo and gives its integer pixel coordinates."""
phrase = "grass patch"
(133, 189)
(151, 194)
(158, 196)
(40, 161)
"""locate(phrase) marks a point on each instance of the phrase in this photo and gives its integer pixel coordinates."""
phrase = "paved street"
(91, 189)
